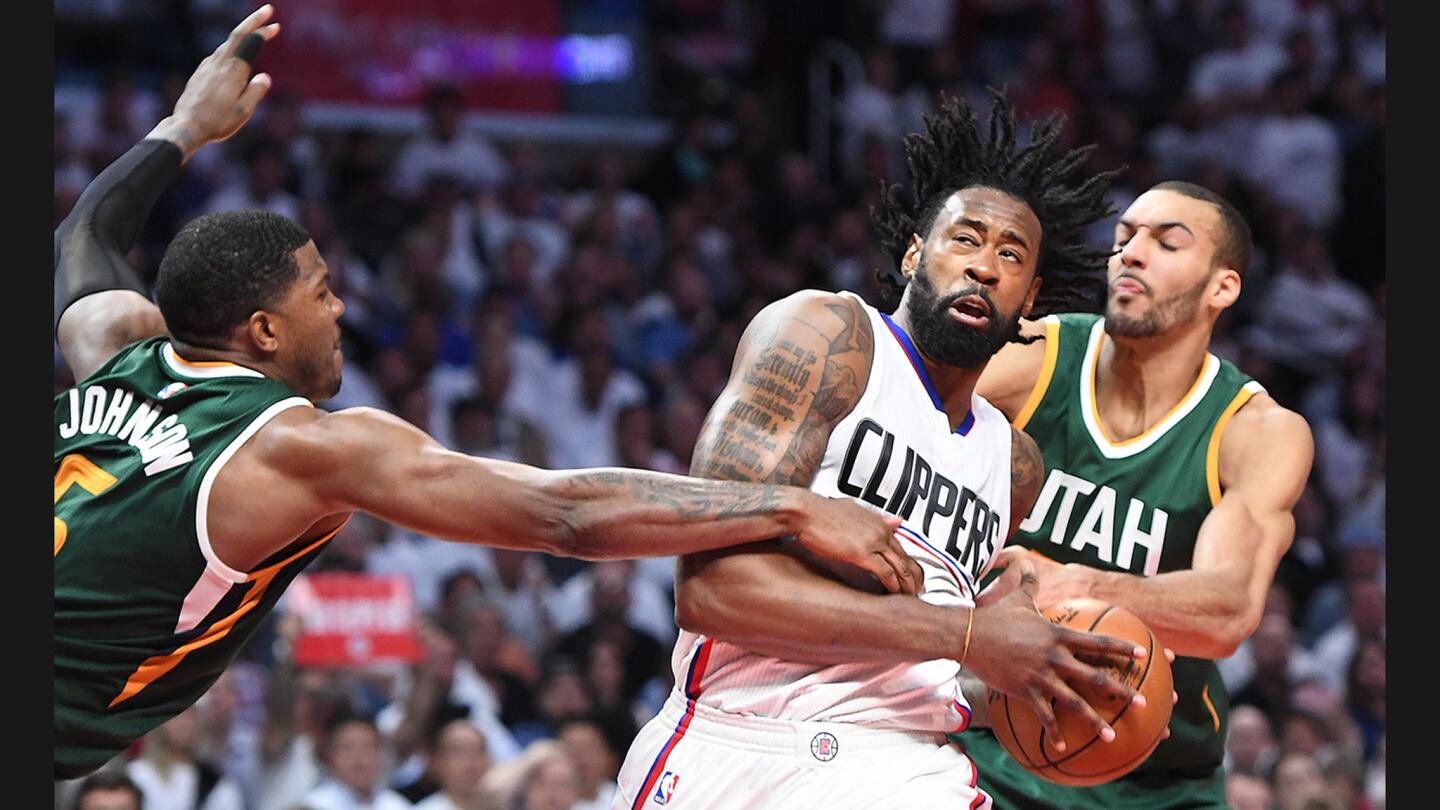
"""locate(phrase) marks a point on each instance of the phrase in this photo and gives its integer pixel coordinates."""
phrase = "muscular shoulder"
(830, 314)
(308, 442)
(1268, 442)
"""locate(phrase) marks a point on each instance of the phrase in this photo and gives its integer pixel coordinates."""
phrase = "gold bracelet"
(965, 650)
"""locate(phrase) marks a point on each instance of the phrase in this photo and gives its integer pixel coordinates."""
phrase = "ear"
(1030, 296)
(911, 259)
(1224, 288)
(264, 331)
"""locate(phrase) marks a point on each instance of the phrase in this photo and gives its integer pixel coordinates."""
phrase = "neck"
(207, 354)
(954, 385)
(1139, 380)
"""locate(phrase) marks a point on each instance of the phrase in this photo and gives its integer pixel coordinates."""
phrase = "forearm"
(91, 243)
(1202, 614)
(766, 600)
(631, 513)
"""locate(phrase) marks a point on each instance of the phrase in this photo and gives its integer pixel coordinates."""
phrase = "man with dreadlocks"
(792, 688)
(1171, 479)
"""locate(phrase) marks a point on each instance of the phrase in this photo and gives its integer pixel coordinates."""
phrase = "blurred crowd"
(584, 311)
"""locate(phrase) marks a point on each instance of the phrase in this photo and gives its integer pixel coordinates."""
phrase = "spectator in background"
(595, 754)
(668, 322)
(262, 185)
(1364, 621)
(458, 761)
(299, 704)
(1299, 784)
(1346, 442)
(355, 771)
(1311, 318)
(586, 393)
(552, 783)
(1326, 608)
(445, 147)
(562, 694)
(613, 593)
(635, 441)
(1246, 792)
(1365, 692)
(485, 679)
(367, 214)
(173, 777)
(1229, 84)
(518, 213)
(1277, 668)
(611, 586)
(1296, 158)
(108, 790)
(1250, 747)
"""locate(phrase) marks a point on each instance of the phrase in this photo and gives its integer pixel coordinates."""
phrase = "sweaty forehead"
(996, 209)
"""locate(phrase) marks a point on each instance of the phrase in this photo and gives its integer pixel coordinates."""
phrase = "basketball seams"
(1143, 676)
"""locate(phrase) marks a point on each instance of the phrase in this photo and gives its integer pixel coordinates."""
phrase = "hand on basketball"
(221, 94)
(1018, 651)
(840, 529)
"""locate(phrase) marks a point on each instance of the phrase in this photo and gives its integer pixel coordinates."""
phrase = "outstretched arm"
(362, 459)
(103, 305)
(1264, 460)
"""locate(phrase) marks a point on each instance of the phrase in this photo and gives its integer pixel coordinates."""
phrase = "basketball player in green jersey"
(1171, 476)
(193, 478)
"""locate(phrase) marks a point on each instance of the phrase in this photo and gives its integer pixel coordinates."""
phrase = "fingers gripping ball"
(1087, 759)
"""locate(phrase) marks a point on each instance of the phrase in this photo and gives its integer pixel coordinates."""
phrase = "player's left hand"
(221, 94)
(841, 529)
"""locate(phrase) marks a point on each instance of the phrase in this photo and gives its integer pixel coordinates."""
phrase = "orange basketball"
(1087, 759)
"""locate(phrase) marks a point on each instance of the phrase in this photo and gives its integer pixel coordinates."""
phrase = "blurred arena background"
(550, 221)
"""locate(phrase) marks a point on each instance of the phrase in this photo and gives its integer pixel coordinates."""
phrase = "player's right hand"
(1017, 650)
(841, 529)
(221, 95)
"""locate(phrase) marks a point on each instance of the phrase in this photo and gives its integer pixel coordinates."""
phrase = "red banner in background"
(353, 619)
(503, 54)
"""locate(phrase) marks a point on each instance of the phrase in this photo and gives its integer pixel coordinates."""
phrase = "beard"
(1161, 316)
(947, 341)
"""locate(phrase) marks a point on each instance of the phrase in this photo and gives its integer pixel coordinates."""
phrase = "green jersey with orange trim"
(1133, 506)
(146, 615)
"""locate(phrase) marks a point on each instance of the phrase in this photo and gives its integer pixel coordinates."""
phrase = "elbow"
(1233, 629)
(565, 529)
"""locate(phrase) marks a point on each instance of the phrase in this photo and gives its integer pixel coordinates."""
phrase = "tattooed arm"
(312, 465)
(800, 368)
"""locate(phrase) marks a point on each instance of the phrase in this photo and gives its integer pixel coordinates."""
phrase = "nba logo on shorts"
(824, 746)
(666, 788)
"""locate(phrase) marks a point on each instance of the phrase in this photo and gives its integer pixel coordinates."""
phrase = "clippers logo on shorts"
(824, 746)
(666, 789)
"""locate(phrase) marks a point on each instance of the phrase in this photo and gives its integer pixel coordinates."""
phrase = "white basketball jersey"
(897, 453)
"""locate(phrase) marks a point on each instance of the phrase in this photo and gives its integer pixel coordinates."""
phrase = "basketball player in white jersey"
(792, 689)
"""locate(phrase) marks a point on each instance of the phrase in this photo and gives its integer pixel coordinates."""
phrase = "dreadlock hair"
(950, 155)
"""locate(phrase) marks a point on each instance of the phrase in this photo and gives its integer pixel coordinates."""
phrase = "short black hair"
(950, 155)
(108, 780)
(221, 268)
(1232, 248)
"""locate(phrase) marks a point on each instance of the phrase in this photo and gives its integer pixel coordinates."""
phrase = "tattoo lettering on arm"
(690, 499)
(773, 422)
(1027, 473)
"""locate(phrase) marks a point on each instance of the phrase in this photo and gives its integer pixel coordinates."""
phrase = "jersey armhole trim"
(1047, 370)
(202, 500)
(1212, 452)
